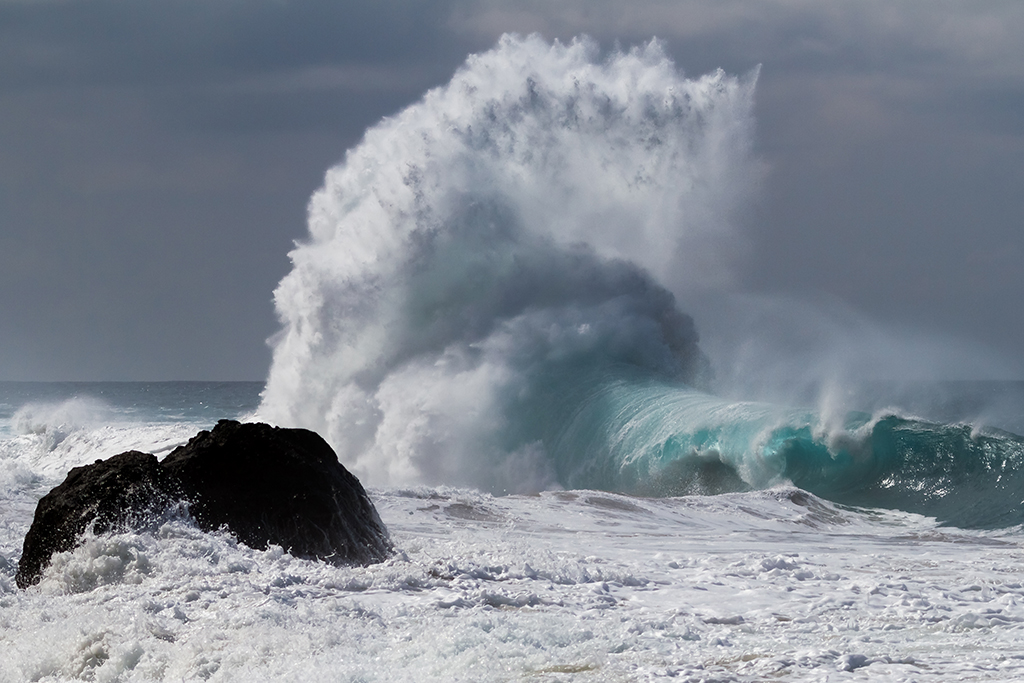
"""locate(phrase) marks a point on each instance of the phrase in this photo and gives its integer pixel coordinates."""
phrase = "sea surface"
(564, 584)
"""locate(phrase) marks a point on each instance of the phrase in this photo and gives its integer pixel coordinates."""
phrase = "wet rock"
(266, 485)
(285, 487)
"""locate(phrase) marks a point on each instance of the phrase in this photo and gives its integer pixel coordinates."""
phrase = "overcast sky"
(156, 159)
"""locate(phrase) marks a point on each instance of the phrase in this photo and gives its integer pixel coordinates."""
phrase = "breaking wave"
(489, 296)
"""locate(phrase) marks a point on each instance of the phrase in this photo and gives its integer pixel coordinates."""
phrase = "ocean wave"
(490, 293)
(653, 438)
(530, 219)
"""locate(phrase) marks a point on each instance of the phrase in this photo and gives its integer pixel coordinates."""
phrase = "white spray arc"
(534, 217)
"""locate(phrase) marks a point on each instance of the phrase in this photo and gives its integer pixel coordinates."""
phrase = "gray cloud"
(120, 41)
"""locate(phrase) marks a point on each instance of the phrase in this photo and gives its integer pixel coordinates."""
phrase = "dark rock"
(280, 486)
(266, 485)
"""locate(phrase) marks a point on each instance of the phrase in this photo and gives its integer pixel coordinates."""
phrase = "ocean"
(562, 584)
(488, 321)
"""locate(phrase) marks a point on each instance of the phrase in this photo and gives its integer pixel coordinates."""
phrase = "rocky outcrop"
(266, 485)
(280, 486)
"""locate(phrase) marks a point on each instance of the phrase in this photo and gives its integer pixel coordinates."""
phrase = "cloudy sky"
(156, 159)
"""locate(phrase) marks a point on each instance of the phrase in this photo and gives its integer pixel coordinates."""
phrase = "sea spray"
(498, 247)
(489, 298)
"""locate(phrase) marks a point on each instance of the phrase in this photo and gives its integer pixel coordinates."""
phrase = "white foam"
(581, 585)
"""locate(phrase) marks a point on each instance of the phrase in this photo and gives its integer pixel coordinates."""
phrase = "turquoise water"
(650, 437)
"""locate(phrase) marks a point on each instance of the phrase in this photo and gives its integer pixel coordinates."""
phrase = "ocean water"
(488, 322)
(563, 584)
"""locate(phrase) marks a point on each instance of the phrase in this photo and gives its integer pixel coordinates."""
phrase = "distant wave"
(55, 421)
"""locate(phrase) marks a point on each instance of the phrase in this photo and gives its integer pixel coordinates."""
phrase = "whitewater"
(487, 321)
